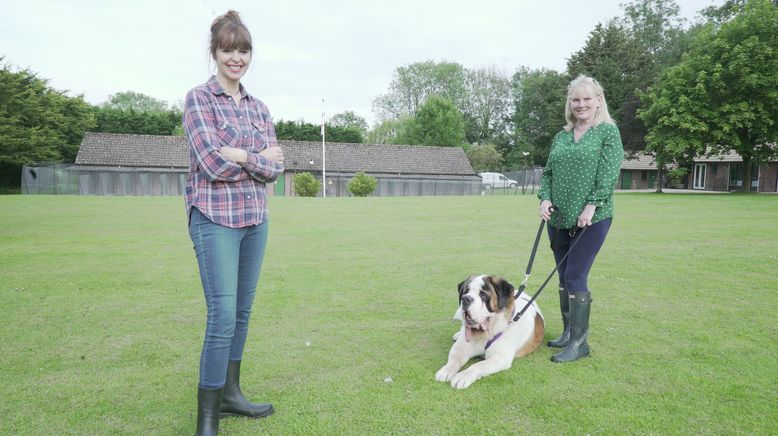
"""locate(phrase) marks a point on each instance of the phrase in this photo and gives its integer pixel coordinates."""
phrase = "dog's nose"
(467, 300)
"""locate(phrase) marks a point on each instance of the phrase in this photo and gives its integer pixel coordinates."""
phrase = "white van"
(497, 180)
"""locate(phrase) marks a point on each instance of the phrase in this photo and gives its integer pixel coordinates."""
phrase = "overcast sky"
(342, 51)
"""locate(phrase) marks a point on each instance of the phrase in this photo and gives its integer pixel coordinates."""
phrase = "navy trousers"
(574, 271)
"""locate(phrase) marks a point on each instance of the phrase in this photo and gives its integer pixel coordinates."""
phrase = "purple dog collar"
(497, 336)
(490, 341)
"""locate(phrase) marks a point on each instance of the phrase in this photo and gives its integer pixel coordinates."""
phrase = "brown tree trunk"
(660, 177)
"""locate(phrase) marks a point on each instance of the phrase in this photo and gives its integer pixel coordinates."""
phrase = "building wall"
(64, 180)
(718, 174)
(717, 178)
(639, 179)
(768, 177)
(395, 185)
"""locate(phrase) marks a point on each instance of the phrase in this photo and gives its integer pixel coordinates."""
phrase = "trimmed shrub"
(362, 185)
(305, 185)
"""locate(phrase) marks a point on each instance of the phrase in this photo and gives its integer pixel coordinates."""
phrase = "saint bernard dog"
(487, 305)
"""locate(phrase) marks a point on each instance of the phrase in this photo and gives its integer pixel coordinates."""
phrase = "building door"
(280, 185)
(626, 179)
(651, 179)
(699, 176)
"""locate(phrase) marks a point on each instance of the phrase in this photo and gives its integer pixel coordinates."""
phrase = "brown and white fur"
(486, 307)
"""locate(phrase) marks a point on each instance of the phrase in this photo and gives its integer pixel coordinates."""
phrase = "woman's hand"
(237, 155)
(545, 210)
(273, 153)
(585, 218)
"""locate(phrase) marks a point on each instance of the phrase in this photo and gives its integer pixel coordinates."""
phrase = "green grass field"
(103, 316)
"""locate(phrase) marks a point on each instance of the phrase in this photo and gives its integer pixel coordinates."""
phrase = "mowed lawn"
(103, 316)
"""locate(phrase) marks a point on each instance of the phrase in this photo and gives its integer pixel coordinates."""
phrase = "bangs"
(583, 90)
(233, 38)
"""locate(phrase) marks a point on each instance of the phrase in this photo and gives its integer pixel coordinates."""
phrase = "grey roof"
(639, 162)
(112, 150)
(729, 157)
(376, 158)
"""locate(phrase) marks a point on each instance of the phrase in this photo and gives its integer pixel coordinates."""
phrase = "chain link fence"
(527, 182)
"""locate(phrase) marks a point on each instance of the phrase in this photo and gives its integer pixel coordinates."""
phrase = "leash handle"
(531, 300)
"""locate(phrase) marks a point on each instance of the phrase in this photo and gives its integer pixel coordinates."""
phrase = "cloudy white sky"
(342, 51)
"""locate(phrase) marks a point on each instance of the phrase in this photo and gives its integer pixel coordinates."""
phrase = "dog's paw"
(463, 380)
(456, 335)
(445, 374)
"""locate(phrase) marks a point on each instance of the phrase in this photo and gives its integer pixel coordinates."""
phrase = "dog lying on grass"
(487, 305)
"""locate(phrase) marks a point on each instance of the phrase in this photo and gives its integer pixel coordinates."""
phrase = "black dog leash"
(532, 259)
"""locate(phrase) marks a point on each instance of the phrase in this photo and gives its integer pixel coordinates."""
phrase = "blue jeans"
(230, 261)
(574, 271)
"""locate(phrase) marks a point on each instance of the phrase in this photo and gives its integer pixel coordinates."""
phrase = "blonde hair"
(601, 114)
(229, 32)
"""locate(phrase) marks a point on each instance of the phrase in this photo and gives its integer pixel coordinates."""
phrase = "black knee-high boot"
(577, 347)
(234, 403)
(208, 404)
(564, 307)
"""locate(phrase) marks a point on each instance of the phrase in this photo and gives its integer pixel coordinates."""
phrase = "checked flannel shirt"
(227, 193)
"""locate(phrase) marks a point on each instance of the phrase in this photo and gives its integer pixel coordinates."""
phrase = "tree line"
(42, 125)
(675, 91)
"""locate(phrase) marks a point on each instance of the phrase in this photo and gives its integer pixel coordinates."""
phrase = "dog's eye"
(484, 296)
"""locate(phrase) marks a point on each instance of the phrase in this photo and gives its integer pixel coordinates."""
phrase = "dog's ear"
(462, 287)
(504, 290)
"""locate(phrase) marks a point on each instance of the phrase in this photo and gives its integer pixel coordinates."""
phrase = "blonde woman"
(577, 191)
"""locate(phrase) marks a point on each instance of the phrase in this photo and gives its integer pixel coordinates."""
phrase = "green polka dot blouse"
(581, 173)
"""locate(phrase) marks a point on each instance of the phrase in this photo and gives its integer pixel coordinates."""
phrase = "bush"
(362, 185)
(305, 185)
(677, 174)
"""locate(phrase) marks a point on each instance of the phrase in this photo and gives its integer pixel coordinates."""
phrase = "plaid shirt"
(227, 193)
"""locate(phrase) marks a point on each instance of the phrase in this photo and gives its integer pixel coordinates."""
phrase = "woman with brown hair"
(233, 154)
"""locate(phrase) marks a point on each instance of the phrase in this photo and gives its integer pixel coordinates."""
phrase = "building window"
(737, 174)
(643, 175)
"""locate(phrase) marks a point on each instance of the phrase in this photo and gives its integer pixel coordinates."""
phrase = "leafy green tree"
(297, 131)
(440, 123)
(484, 157)
(488, 104)
(302, 131)
(362, 185)
(130, 121)
(539, 105)
(623, 65)
(659, 26)
(413, 84)
(306, 185)
(135, 101)
(723, 95)
(39, 123)
(348, 119)
(135, 113)
(394, 131)
(720, 14)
